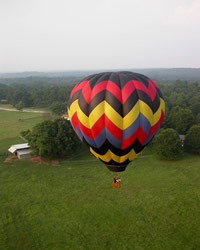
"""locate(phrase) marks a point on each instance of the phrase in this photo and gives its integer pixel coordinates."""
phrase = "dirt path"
(24, 110)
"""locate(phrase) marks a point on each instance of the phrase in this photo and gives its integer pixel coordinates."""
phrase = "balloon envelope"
(116, 114)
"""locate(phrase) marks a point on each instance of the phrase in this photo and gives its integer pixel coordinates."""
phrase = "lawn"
(12, 123)
(29, 108)
(72, 205)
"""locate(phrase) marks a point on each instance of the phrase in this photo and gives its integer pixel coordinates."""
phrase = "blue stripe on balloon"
(131, 129)
(79, 133)
(142, 121)
(98, 141)
(150, 137)
(102, 137)
(90, 141)
(144, 124)
(105, 134)
(113, 140)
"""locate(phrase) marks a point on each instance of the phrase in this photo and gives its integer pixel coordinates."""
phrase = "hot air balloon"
(116, 114)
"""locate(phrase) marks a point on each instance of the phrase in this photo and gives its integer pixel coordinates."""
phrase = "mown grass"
(6, 105)
(29, 108)
(72, 205)
(12, 123)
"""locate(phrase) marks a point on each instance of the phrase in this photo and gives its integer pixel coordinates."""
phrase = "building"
(65, 116)
(182, 138)
(21, 151)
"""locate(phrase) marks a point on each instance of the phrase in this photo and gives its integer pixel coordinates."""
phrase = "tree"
(58, 108)
(53, 139)
(167, 144)
(181, 119)
(198, 118)
(192, 140)
(177, 99)
(19, 105)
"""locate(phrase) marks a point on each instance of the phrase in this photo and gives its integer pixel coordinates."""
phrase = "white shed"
(22, 151)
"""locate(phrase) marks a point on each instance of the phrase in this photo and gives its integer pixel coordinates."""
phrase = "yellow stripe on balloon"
(107, 109)
(109, 155)
(157, 115)
(73, 108)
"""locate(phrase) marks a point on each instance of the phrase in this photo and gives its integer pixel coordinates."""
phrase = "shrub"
(52, 139)
(192, 140)
(198, 118)
(167, 144)
(181, 119)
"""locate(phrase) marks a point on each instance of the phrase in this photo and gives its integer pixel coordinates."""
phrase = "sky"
(48, 35)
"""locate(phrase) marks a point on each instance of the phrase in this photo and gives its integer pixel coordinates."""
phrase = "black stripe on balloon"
(101, 96)
(119, 152)
(122, 109)
(74, 97)
(159, 92)
(87, 78)
(104, 77)
(134, 76)
(156, 103)
(119, 78)
(114, 163)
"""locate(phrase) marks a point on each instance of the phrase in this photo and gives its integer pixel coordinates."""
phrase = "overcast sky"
(42, 35)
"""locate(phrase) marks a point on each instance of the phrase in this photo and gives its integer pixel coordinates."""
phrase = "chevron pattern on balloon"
(121, 110)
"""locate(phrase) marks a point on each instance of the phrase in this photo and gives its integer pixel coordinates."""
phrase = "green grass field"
(72, 205)
(12, 123)
(29, 108)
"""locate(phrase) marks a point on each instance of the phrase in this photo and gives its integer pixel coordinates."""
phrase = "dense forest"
(34, 94)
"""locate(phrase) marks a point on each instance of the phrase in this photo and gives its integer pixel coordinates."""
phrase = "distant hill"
(157, 74)
(172, 74)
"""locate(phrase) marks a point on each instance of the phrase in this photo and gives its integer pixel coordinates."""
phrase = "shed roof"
(15, 147)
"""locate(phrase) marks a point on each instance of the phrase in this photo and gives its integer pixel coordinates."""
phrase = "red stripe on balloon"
(155, 126)
(122, 95)
(151, 91)
(86, 92)
(139, 134)
(74, 120)
(110, 86)
(127, 142)
(127, 91)
(153, 83)
(104, 121)
(78, 86)
(101, 123)
(113, 129)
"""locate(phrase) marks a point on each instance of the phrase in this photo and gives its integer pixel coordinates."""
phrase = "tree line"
(182, 100)
(32, 96)
(182, 117)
